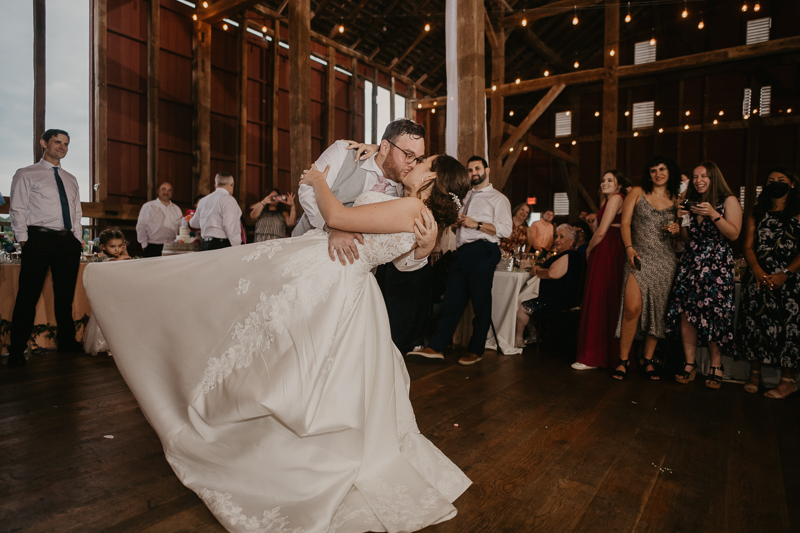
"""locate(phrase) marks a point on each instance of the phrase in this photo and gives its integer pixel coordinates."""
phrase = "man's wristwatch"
(479, 226)
(788, 273)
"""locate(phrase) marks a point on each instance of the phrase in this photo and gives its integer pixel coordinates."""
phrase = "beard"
(391, 170)
(477, 180)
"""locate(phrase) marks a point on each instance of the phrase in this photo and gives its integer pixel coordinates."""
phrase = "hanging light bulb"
(628, 16)
(567, 113)
(494, 87)
(688, 113)
(524, 22)
(575, 17)
(194, 17)
(517, 81)
(684, 14)
(205, 4)
(419, 106)
(433, 110)
(546, 73)
(716, 121)
(744, 6)
(576, 64)
(427, 27)
(341, 28)
(510, 113)
(635, 133)
(225, 27)
(627, 113)
(660, 130)
(524, 148)
(658, 113)
(686, 127)
(757, 7)
(700, 26)
(574, 143)
(653, 41)
(263, 29)
(597, 113)
(611, 52)
(557, 145)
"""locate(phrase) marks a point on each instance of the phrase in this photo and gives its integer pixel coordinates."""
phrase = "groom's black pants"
(408, 297)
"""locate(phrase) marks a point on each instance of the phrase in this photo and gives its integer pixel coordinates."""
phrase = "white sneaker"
(581, 366)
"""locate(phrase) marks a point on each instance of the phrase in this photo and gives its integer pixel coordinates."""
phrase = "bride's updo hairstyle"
(451, 179)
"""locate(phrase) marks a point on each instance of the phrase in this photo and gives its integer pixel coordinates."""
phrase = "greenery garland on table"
(48, 330)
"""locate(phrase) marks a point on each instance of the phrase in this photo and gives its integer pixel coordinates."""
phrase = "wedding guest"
(217, 216)
(648, 228)
(597, 345)
(591, 219)
(274, 221)
(518, 239)
(559, 288)
(159, 221)
(582, 215)
(542, 232)
(702, 301)
(46, 218)
(770, 309)
(584, 233)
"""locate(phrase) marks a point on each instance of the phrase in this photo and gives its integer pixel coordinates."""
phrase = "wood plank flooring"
(548, 449)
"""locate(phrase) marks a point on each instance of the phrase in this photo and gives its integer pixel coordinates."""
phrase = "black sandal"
(714, 381)
(685, 377)
(619, 374)
(652, 375)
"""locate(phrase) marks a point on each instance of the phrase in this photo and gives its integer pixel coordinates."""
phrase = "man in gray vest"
(401, 148)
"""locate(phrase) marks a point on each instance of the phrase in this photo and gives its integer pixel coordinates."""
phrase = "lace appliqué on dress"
(242, 287)
(345, 515)
(394, 505)
(271, 521)
(267, 247)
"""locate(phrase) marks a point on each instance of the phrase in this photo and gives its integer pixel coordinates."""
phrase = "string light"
(575, 17)
(205, 5)
(635, 133)
(576, 64)
(688, 113)
(524, 148)
(755, 111)
(627, 113)
(510, 113)
(628, 16)
(660, 130)
(574, 143)
(757, 7)
(263, 29)
(653, 41)
(597, 113)
(419, 106)
(341, 28)
(746, 117)
(721, 113)
(744, 6)
(685, 11)
(686, 127)
(433, 110)
(517, 81)
(546, 73)
(611, 52)
(225, 27)
(524, 22)
(194, 17)
(511, 149)
(701, 25)
(658, 113)
(557, 145)
(716, 121)
(789, 110)
(427, 27)
(494, 87)
(567, 113)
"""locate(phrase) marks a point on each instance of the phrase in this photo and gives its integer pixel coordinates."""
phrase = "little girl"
(112, 244)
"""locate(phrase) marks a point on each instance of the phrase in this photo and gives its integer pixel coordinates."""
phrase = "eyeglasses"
(410, 156)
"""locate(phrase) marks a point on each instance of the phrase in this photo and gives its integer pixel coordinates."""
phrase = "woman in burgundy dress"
(605, 256)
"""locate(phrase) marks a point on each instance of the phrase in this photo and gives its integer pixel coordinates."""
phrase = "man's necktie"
(62, 195)
(381, 185)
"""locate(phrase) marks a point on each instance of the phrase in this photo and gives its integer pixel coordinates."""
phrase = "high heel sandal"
(750, 387)
(772, 393)
(685, 377)
(714, 381)
(652, 375)
(619, 374)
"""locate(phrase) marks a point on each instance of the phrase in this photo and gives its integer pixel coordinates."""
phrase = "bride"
(269, 373)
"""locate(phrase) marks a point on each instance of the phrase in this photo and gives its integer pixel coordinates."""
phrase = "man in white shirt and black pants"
(218, 216)
(46, 218)
(159, 221)
(483, 220)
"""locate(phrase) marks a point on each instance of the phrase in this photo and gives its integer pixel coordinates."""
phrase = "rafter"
(410, 49)
(532, 117)
(549, 10)
(353, 14)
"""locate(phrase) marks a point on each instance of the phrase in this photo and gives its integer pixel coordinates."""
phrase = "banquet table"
(45, 321)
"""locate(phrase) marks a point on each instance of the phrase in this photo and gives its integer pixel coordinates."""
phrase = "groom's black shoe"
(16, 360)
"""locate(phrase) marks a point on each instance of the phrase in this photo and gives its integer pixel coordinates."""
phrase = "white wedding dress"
(269, 373)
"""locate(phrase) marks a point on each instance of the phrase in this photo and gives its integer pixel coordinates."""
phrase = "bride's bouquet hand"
(313, 175)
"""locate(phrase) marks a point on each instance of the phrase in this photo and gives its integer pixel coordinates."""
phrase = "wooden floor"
(548, 449)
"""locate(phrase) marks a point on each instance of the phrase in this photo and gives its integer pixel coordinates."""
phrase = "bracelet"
(788, 273)
(717, 219)
(479, 226)
(629, 246)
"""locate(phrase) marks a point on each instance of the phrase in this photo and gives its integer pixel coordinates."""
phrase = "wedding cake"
(184, 236)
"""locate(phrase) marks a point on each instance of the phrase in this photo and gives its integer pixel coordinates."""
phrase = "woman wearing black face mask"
(769, 319)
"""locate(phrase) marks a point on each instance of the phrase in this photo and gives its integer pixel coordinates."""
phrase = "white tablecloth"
(505, 288)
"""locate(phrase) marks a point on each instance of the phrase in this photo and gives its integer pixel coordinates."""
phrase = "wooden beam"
(411, 94)
(223, 9)
(153, 84)
(694, 61)
(283, 6)
(541, 49)
(354, 99)
(320, 8)
(374, 105)
(608, 146)
(498, 46)
(330, 98)
(39, 75)
(548, 10)
(100, 100)
(275, 63)
(392, 94)
(299, 87)
(587, 197)
(508, 166)
(201, 109)
(490, 34)
(472, 80)
(241, 157)
(574, 170)
(543, 146)
(410, 49)
(532, 117)
(352, 15)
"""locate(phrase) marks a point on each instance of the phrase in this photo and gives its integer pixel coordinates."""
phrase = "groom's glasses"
(410, 156)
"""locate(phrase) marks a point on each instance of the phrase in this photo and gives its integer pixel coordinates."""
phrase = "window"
(741, 194)
(758, 30)
(563, 124)
(384, 110)
(644, 52)
(747, 102)
(643, 115)
(368, 112)
(561, 203)
(399, 106)
(764, 101)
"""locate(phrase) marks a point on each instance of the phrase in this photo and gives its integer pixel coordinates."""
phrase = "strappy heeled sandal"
(619, 374)
(751, 387)
(685, 377)
(777, 395)
(652, 375)
(714, 381)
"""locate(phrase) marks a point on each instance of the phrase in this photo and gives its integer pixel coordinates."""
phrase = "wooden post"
(411, 95)
(100, 101)
(472, 80)
(608, 145)
(374, 106)
(330, 99)
(498, 108)
(201, 109)
(276, 76)
(574, 170)
(241, 158)
(354, 100)
(392, 93)
(153, 82)
(39, 76)
(299, 88)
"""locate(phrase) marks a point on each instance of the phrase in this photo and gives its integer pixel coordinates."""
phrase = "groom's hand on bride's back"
(342, 244)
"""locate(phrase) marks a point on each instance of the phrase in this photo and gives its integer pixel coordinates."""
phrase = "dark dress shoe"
(70, 347)
(16, 360)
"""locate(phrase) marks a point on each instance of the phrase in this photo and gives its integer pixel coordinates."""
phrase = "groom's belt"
(215, 239)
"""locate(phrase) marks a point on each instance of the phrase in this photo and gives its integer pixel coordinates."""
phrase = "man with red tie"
(45, 214)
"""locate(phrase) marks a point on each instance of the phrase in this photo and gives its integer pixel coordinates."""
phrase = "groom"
(402, 147)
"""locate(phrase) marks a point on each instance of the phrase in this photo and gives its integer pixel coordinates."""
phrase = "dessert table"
(45, 321)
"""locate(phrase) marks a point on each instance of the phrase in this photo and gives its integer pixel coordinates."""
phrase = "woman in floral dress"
(518, 237)
(702, 305)
(769, 319)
